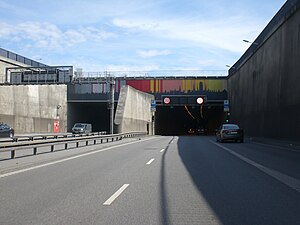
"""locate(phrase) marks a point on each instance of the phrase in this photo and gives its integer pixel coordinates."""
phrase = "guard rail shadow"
(67, 141)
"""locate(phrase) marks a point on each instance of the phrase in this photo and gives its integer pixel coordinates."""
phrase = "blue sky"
(134, 35)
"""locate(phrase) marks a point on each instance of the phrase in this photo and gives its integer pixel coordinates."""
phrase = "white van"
(82, 128)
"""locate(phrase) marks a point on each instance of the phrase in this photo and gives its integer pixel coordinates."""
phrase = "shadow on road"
(237, 192)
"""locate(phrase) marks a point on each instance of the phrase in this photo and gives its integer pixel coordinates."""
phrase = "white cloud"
(152, 53)
(135, 24)
(132, 67)
(47, 35)
(225, 34)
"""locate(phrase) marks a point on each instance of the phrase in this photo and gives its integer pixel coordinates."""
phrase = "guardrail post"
(12, 154)
(52, 148)
(66, 145)
(34, 150)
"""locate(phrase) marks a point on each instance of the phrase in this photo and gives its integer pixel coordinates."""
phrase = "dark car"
(202, 131)
(228, 132)
(6, 130)
(82, 128)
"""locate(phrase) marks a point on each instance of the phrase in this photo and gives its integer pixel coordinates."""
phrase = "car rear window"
(79, 125)
(231, 127)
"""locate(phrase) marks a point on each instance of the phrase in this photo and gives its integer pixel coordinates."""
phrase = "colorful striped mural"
(182, 85)
(158, 86)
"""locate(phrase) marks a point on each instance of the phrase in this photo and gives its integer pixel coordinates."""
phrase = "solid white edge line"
(67, 159)
(115, 195)
(283, 178)
(150, 161)
(162, 150)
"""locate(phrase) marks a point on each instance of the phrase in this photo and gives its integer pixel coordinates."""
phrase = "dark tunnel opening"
(169, 120)
(187, 120)
(96, 114)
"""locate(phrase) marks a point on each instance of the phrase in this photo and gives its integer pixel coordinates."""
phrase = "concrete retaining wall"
(264, 90)
(133, 111)
(33, 108)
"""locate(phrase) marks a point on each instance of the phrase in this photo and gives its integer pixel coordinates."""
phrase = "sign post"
(226, 105)
(153, 105)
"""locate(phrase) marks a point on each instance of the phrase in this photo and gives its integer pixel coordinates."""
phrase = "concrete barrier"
(134, 111)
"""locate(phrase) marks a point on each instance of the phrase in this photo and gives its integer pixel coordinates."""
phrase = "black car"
(6, 130)
(228, 132)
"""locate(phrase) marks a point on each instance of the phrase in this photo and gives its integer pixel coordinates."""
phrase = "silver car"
(228, 132)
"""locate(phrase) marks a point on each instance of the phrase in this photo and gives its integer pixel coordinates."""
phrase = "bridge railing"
(67, 141)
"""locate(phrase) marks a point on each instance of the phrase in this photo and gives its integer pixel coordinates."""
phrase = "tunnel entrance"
(188, 120)
(96, 114)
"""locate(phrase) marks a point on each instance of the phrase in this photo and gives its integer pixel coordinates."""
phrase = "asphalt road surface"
(156, 180)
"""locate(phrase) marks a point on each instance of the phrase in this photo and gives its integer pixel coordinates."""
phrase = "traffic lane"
(162, 194)
(181, 201)
(72, 191)
(26, 159)
(141, 203)
(236, 191)
(277, 158)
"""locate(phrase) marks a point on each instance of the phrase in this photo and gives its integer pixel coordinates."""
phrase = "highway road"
(154, 180)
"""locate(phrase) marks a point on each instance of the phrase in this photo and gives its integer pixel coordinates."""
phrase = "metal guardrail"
(67, 140)
(48, 136)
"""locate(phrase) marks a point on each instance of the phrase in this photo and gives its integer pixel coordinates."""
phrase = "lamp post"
(255, 43)
(230, 66)
(57, 108)
(111, 102)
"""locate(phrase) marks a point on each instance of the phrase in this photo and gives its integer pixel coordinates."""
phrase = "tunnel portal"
(188, 120)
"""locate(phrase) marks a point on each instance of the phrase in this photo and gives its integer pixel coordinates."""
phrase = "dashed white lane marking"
(283, 178)
(67, 159)
(115, 195)
(150, 161)
(162, 150)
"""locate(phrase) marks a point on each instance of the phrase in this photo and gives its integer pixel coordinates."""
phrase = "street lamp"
(230, 66)
(255, 43)
(57, 108)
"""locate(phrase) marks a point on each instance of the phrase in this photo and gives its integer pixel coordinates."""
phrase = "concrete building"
(30, 108)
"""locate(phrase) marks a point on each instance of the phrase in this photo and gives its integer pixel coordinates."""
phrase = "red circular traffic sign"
(167, 100)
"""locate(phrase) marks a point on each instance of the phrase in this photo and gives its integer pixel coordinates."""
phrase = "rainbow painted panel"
(165, 86)
(162, 86)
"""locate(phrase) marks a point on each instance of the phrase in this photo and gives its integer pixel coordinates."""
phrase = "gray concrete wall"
(133, 111)
(33, 108)
(264, 86)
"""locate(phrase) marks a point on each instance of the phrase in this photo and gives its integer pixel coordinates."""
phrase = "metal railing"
(37, 141)
(18, 58)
